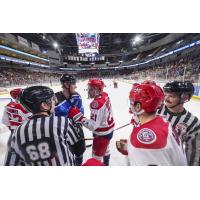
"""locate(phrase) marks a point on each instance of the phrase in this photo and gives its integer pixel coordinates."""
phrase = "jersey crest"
(94, 104)
(146, 136)
(180, 131)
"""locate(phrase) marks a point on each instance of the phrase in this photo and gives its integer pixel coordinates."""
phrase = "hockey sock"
(106, 160)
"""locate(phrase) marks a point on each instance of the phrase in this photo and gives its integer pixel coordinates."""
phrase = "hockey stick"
(88, 138)
(89, 145)
(114, 130)
(122, 126)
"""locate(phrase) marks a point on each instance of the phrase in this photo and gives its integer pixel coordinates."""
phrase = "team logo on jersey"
(94, 104)
(181, 127)
(180, 130)
(146, 136)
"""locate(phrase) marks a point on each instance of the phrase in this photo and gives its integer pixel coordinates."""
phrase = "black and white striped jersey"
(42, 141)
(189, 127)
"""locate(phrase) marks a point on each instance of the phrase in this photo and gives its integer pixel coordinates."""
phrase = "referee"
(185, 125)
(44, 140)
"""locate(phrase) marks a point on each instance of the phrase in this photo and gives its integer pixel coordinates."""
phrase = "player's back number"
(41, 151)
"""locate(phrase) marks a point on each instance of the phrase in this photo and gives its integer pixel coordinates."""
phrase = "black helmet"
(69, 79)
(32, 97)
(179, 87)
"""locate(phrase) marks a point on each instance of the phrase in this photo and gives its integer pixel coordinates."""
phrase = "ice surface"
(120, 105)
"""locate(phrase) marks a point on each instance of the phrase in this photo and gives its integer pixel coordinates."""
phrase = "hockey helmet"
(149, 82)
(32, 97)
(149, 95)
(96, 82)
(69, 79)
(135, 84)
(180, 87)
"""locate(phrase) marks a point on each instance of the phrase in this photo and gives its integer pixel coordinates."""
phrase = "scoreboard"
(88, 42)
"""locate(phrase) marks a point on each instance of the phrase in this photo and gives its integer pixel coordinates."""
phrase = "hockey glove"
(135, 121)
(75, 114)
(122, 146)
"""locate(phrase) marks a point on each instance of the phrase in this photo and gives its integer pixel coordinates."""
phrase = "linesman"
(45, 138)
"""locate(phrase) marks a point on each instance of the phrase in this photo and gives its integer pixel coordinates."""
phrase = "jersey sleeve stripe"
(69, 136)
(53, 131)
(61, 139)
(192, 156)
(197, 128)
(187, 117)
(192, 124)
(38, 129)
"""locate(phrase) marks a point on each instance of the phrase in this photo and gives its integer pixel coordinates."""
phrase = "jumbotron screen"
(88, 42)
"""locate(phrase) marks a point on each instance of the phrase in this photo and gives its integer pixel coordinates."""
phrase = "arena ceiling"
(109, 42)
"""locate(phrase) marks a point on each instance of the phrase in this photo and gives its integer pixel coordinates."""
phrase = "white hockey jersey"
(154, 144)
(14, 115)
(101, 121)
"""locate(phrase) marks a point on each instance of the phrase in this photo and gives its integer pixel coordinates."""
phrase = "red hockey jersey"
(153, 143)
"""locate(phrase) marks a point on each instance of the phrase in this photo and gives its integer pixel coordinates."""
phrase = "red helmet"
(93, 162)
(149, 95)
(135, 84)
(15, 93)
(149, 82)
(96, 82)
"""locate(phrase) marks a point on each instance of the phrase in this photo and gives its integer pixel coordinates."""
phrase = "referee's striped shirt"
(192, 132)
(42, 141)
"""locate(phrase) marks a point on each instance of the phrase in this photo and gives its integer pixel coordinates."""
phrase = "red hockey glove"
(122, 146)
(135, 121)
(75, 114)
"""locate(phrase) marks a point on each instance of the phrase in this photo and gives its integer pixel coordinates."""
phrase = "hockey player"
(14, 113)
(45, 138)
(151, 141)
(115, 83)
(101, 121)
(185, 125)
(68, 98)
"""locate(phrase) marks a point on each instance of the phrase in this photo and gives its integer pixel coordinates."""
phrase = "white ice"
(120, 105)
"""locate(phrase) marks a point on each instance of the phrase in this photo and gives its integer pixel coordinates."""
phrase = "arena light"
(21, 52)
(136, 40)
(55, 44)
(16, 60)
(179, 42)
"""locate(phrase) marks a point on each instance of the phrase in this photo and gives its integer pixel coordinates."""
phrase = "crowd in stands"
(185, 67)
(12, 77)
